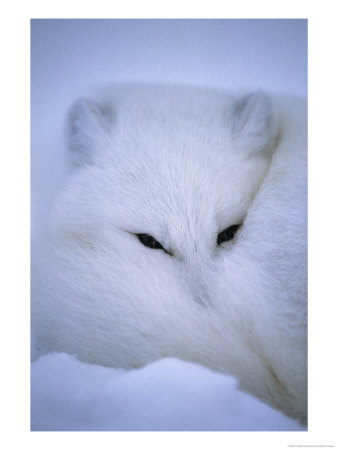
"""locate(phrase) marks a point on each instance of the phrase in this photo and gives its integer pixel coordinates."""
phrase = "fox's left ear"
(254, 124)
(88, 126)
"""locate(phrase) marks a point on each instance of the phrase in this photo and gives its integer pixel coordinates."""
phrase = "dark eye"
(149, 241)
(227, 234)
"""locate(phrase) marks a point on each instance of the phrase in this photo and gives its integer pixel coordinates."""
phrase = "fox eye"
(227, 234)
(149, 241)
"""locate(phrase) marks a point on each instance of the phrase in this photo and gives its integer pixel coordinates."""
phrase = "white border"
(15, 222)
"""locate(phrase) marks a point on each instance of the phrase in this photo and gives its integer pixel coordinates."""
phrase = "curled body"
(181, 231)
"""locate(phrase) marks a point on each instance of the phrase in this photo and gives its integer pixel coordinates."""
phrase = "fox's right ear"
(88, 125)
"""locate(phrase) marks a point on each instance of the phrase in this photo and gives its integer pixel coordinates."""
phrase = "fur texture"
(181, 164)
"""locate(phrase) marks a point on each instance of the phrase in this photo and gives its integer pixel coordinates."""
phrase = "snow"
(68, 56)
(167, 395)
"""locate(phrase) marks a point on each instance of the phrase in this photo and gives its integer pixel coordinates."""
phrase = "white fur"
(181, 164)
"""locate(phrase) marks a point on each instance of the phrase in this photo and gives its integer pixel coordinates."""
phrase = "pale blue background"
(249, 53)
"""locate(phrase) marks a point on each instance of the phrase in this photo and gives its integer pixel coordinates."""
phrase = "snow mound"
(167, 395)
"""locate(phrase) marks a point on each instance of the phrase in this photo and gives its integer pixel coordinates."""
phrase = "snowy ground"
(167, 395)
(67, 58)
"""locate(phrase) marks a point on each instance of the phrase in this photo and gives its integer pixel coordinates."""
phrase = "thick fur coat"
(181, 165)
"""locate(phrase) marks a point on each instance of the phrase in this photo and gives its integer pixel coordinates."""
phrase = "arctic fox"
(181, 232)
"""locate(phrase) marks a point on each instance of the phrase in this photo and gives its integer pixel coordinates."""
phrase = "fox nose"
(200, 285)
(202, 298)
(195, 268)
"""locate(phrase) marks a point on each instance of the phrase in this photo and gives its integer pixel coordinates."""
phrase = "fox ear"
(88, 125)
(254, 124)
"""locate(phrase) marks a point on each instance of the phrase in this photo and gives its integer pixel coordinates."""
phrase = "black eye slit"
(150, 242)
(227, 234)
